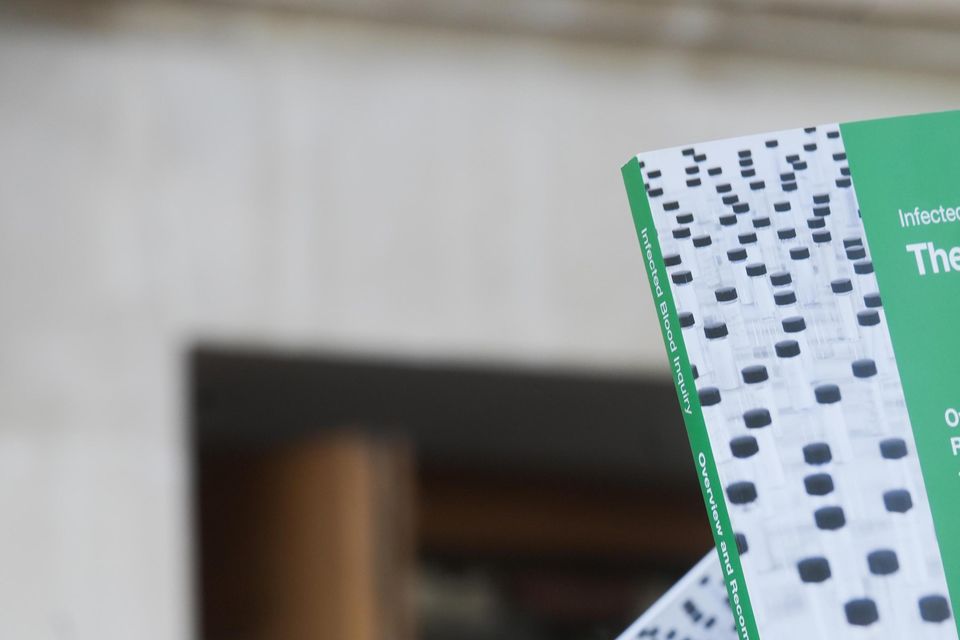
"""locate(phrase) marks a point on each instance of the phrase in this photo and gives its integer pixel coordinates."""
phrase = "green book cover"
(807, 284)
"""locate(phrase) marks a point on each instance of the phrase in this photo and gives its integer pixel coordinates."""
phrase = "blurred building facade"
(425, 179)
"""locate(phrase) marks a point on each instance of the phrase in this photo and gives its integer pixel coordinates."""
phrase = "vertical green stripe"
(683, 380)
(913, 164)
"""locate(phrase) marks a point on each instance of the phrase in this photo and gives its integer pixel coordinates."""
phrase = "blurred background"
(326, 319)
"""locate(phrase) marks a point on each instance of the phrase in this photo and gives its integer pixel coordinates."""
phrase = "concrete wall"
(173, 175)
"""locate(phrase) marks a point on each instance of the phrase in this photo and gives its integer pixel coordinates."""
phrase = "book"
(695, 608)
(807, 286)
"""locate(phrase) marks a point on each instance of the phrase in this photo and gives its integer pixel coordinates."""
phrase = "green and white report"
(807, 284)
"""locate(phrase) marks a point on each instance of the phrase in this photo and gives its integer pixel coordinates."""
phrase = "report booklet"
(807, 284)
(695, 608)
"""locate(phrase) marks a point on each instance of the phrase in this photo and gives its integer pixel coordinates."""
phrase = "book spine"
(724, 536)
